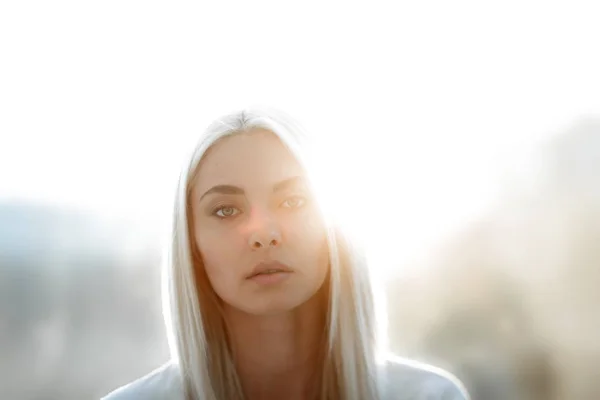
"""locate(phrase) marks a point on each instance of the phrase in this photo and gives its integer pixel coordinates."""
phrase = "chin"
(274, 304)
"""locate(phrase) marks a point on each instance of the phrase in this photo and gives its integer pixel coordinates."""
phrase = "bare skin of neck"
(277, 355)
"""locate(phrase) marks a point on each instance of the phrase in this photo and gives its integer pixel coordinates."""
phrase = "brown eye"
(294, 202)
(226, 211)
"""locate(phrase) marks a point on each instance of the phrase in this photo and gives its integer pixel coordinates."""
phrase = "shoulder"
(160, 384)
(409, 379)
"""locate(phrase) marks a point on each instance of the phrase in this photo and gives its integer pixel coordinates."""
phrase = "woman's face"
(250, 206)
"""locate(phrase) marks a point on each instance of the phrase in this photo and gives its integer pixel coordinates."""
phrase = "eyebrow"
(235, 190)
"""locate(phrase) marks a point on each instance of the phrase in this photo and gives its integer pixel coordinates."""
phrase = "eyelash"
(216, 210)
(302, 199)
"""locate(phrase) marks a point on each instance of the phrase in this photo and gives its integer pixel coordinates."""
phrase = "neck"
(277, 356)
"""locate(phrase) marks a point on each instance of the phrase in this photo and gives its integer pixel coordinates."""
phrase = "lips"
(269, 268)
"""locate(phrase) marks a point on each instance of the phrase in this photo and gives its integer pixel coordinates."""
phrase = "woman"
(265, 297)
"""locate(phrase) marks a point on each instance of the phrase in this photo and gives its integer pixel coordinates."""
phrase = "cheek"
(309, 237)
(217, 254)
(312, 228)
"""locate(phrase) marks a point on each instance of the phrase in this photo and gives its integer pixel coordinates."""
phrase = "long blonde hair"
(195, 327)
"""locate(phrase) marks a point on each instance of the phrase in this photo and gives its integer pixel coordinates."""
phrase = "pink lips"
(268, 273)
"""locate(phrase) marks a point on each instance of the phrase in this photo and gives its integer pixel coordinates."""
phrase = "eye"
(294, 202)
(226, 211)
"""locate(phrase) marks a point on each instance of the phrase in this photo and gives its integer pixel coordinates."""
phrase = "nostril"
(259, 241)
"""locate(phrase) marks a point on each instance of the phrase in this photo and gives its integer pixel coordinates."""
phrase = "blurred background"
(466, 141)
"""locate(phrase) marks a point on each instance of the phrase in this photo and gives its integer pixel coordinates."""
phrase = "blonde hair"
(195, 327)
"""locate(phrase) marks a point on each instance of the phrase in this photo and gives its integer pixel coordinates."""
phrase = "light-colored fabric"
(405, 379)
(161, 384)
(402, 380)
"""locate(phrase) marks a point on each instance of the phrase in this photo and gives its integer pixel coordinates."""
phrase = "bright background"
(423, 101)
(429, 108)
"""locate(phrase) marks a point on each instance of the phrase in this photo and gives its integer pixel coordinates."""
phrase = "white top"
(406, 380)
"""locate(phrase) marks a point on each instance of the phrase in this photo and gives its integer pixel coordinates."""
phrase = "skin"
(275, 330)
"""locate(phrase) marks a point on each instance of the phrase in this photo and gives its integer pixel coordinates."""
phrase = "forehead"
(249, 160)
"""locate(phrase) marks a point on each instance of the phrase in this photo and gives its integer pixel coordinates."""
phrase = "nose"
(259, 240)
(263, 232)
